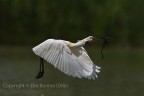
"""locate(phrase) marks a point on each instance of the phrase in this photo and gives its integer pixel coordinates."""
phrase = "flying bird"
(70, 58)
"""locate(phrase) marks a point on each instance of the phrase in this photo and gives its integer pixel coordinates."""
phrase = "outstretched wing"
(71, 61)
(88, 67)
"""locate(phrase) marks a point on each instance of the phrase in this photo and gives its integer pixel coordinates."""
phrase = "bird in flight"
(70, 58)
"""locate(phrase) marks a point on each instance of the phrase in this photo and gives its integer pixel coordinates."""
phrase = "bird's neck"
(84, 40)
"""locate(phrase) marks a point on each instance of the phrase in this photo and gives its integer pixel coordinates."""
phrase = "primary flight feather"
(70, 58)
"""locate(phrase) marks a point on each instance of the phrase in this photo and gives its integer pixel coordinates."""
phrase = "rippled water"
(122, 74)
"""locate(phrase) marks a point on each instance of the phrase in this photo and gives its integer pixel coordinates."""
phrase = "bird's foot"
(39, 75)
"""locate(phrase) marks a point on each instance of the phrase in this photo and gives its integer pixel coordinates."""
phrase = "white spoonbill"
(70, 58)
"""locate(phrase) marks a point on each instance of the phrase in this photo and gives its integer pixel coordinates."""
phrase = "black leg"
(41, 71)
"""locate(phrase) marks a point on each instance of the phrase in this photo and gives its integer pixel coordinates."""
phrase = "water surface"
(122, 74)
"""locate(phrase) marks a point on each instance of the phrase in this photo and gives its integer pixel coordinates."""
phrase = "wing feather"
(72, 61)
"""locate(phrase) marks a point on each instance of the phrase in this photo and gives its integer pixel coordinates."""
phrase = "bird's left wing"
(87, 66)
(60, 56)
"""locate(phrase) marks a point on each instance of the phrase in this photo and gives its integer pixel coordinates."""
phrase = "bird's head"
(90, 39)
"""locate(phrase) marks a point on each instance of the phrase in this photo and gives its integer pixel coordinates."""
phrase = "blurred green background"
(26, 23)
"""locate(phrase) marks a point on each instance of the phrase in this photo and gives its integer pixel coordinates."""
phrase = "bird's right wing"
(60, 56)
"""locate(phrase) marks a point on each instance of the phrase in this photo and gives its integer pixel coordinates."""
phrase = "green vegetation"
(32, 21)
(29, 22)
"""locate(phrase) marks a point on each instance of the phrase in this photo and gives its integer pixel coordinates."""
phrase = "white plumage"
(70, 58)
